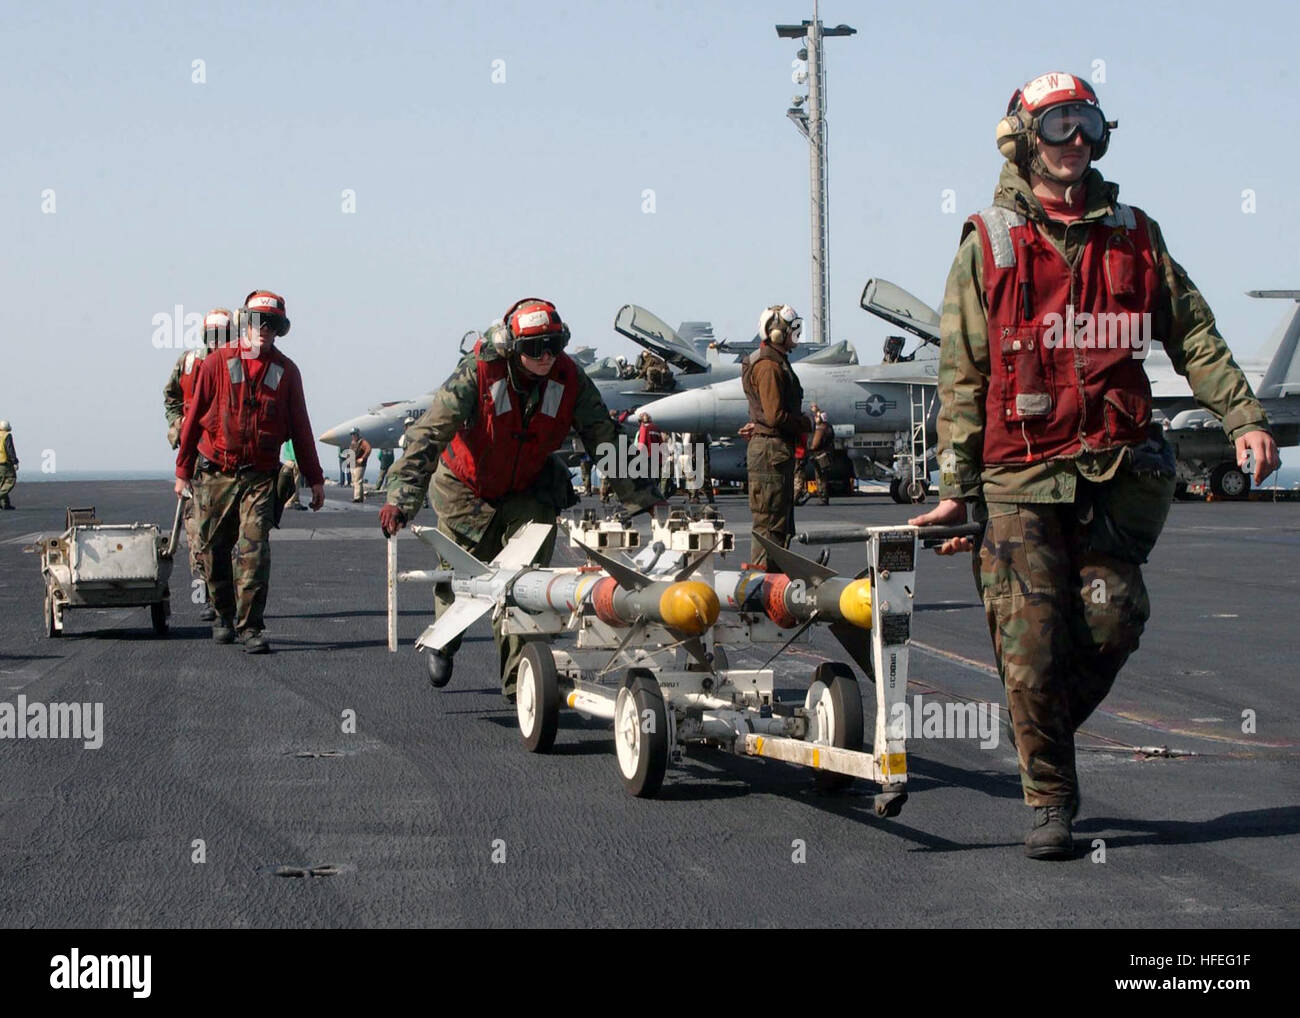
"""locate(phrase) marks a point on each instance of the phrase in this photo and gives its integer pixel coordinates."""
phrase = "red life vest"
(497, 452)
(246, 424)
(1066, 372)
(190, 364)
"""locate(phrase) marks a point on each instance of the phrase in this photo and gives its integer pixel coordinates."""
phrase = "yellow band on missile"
(689, 606)
(855, 603)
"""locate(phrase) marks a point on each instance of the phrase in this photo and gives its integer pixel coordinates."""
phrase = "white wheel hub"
(627, 733)
(821, 714)
(526, 697)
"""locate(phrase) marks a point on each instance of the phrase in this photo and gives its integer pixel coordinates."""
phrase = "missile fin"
(455, 556)
(521, 549)
(462, 614)
(793, 564)
(858, 643)
(627, 577)
(793, 636)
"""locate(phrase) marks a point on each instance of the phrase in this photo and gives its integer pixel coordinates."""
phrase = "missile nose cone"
(690, 606)
(855, 603)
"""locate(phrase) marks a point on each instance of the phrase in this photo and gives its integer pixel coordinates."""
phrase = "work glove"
(391, 520)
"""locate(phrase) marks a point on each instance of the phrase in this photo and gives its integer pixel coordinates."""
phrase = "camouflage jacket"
(173, 395)
(453, 408)
(1190, 338)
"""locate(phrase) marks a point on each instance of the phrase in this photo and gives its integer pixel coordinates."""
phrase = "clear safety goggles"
(1060, 124)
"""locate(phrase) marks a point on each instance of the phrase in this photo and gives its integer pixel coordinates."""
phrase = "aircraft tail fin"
(1282, 378)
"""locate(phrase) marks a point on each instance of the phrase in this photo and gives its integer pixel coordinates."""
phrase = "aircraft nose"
(683, 411)
(332, 437)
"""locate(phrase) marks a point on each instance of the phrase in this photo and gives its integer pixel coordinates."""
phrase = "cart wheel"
(916, 491)
(834, 706)
(51, 628)
(537, 697)
(641, 734)
(158, 612)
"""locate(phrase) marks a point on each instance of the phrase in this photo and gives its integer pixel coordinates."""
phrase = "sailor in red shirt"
(247, 402)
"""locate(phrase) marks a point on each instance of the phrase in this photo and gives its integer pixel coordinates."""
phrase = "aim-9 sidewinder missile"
(619, 595)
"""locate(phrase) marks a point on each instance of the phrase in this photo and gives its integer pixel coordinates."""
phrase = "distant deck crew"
(487, 442)
(247, 402)
(359, 451)
(8, 464)
(1051, 442)
(819, 452)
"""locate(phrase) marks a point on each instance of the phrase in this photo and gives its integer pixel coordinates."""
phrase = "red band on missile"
(602, 599)
(774, 588)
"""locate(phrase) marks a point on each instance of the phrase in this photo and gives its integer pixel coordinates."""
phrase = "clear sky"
(470, 193)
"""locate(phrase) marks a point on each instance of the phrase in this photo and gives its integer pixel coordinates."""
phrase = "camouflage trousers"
(190, 517)
(8, 478)
(771, 465)
(236, 512)
(513, 513)
(1065, 611)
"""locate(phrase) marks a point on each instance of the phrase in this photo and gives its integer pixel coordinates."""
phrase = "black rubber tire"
(158, 616)
(846, 701)
(1227, 480)
(652, 758)
(540, 662)
(896, 491)
(915, 491)
(51, 631)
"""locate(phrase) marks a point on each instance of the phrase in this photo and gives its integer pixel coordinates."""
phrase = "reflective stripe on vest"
(236, 368)
(500, 391)
(999, 221)
(552, 398)
(271, 380)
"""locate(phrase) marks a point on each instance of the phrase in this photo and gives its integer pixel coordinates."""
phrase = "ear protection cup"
(1011, 138)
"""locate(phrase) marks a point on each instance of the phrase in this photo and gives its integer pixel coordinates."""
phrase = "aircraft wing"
(657, 336)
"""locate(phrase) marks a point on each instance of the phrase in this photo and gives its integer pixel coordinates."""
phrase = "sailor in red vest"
(178, 394)
(1045, 428)
(247, 402)
(486, 443)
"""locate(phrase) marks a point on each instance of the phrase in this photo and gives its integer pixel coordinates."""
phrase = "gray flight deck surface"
(246, 753)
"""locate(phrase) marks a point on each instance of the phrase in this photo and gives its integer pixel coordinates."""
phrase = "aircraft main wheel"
(537, 697)
(641, 734)
(1228, 481)
(158, 616)
(896, 491)
(834, 708)
(51, 628)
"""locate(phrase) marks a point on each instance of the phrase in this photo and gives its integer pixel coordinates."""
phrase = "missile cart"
(650, 638)
(108, 565)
